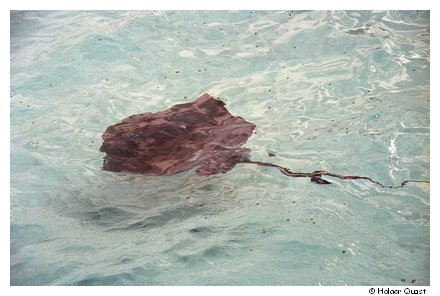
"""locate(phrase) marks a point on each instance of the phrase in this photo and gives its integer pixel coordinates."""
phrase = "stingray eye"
(129, 136)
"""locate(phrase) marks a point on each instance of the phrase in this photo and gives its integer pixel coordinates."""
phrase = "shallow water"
(343, 91)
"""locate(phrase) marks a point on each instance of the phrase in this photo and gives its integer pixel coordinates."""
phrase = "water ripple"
(344, 91)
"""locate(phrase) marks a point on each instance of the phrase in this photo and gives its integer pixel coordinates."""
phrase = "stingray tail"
(316, 176)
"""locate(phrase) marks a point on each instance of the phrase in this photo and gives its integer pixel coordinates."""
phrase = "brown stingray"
(200, 135)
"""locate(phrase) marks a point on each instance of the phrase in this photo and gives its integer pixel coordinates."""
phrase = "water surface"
(343, 91)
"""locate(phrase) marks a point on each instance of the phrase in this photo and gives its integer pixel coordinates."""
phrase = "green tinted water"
(343, 91)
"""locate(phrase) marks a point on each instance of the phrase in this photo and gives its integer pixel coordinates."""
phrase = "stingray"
(201, 135)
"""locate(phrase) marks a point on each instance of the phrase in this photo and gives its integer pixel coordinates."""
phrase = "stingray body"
(201, 134)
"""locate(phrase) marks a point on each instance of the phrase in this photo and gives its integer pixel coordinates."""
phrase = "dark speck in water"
(413, 281)
(199, 70)
(271, 154)
(287, 220)
(257, 204)
(270, 90)
(403, 280)
(255, 33)
(344, 251)
(184, 97)
(287, 78)
(177, 72)
(100, 39)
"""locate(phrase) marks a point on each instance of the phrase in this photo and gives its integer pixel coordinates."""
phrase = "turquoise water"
(343, 91)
